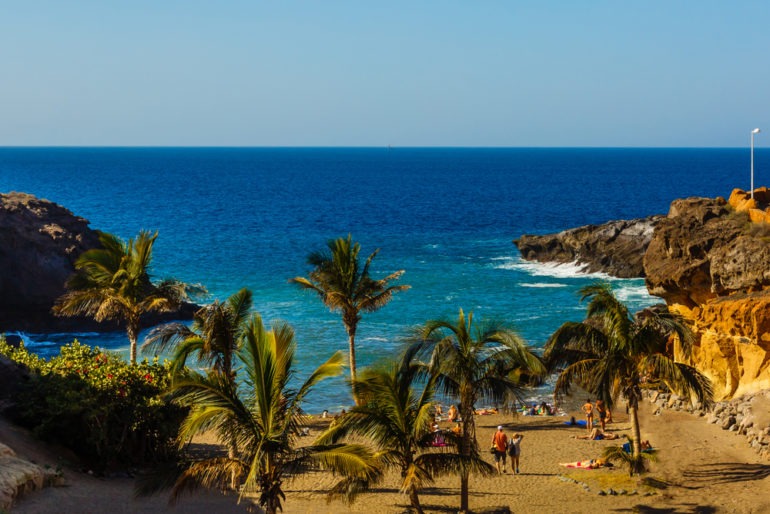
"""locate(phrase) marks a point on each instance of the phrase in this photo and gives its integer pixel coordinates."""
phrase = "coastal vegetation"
(114, 283)
(474, 361)
(213, 340)
(345, 286)
(263, 416)
(111, 414)
(612, 354)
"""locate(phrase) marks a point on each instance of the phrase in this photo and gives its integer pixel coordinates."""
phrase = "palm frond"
(161, 338)
(680, 378)
(213, 473)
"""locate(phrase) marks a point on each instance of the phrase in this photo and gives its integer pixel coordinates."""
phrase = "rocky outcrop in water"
(615, 248)
(39, 243)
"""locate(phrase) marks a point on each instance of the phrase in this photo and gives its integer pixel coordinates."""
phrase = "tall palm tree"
(472, 362)
(612, 354)
(397, 418)
(213, 339)
(113, 283)
(264, 415)
(345, 286)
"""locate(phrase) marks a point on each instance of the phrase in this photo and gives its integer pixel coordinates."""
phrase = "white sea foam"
(543, 284)
(376, 339)
(636, 294)
(555, 270)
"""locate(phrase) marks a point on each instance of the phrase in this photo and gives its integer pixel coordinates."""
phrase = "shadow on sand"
(725, 472)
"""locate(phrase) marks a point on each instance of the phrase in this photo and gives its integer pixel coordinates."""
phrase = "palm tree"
(213, 338)
(612, 354)
(398, 419)
(344, 286)
(474, 362)
(113, 283)
(264, 416)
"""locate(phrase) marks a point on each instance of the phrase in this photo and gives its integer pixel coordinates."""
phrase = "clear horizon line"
(386, 147)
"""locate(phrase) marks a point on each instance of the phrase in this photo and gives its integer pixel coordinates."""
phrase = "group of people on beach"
(602, 412)
(544, 409)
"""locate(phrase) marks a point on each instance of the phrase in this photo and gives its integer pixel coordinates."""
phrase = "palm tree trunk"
(633, 413)
(415, 500)
(352, 354)
(132, 330)
(466, 443)
(464, 491)
(232, 452)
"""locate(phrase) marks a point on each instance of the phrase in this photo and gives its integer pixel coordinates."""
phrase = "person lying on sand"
(597, 434)
(586, 464)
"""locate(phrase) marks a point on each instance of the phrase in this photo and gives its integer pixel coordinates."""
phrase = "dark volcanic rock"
(616, 248)
(39, 243)
(704, 249)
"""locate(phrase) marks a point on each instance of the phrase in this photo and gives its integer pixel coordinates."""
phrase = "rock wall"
(711, 264)
(616, 248)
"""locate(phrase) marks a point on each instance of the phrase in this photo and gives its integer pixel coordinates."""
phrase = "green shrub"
(111, 413)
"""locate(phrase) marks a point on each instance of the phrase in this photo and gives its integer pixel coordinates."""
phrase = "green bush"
(112, 414)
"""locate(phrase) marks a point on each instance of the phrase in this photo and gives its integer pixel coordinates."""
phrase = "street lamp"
(755, 131)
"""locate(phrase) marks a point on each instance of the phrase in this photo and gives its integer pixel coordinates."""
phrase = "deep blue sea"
(248, 217)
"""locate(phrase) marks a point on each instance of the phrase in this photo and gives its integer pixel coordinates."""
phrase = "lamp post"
(755, 131)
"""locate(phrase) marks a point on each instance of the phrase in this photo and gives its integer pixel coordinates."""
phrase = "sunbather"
(597, 434)
(586, 464)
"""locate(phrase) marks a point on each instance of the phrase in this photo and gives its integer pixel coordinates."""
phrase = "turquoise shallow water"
(248, 217)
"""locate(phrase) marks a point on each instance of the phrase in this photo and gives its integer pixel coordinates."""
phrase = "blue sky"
(330, 73)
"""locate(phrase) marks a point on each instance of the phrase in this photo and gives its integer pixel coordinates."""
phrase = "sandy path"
(705, 468)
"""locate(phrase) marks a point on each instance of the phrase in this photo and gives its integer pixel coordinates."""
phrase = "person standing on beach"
(601, 411)
(514, 451)
(500, 446)
(588, 408)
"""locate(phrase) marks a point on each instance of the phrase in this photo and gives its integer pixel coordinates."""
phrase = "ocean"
(248, 217)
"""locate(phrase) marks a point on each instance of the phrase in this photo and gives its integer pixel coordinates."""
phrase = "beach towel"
(627, 448)
(578, 423)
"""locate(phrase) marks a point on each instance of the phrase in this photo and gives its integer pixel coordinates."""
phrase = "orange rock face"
(733, 342)
(712, 265)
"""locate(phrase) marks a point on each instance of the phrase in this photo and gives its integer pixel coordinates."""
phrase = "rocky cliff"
(615, 248)
(39, 242)
(709, 259)
(711, 264)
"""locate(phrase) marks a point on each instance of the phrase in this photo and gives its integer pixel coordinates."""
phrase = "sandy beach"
(701, 468)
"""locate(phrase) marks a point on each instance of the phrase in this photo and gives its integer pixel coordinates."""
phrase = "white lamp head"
(755, 131)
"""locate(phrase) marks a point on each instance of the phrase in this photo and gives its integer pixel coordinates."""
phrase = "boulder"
(19, 477)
